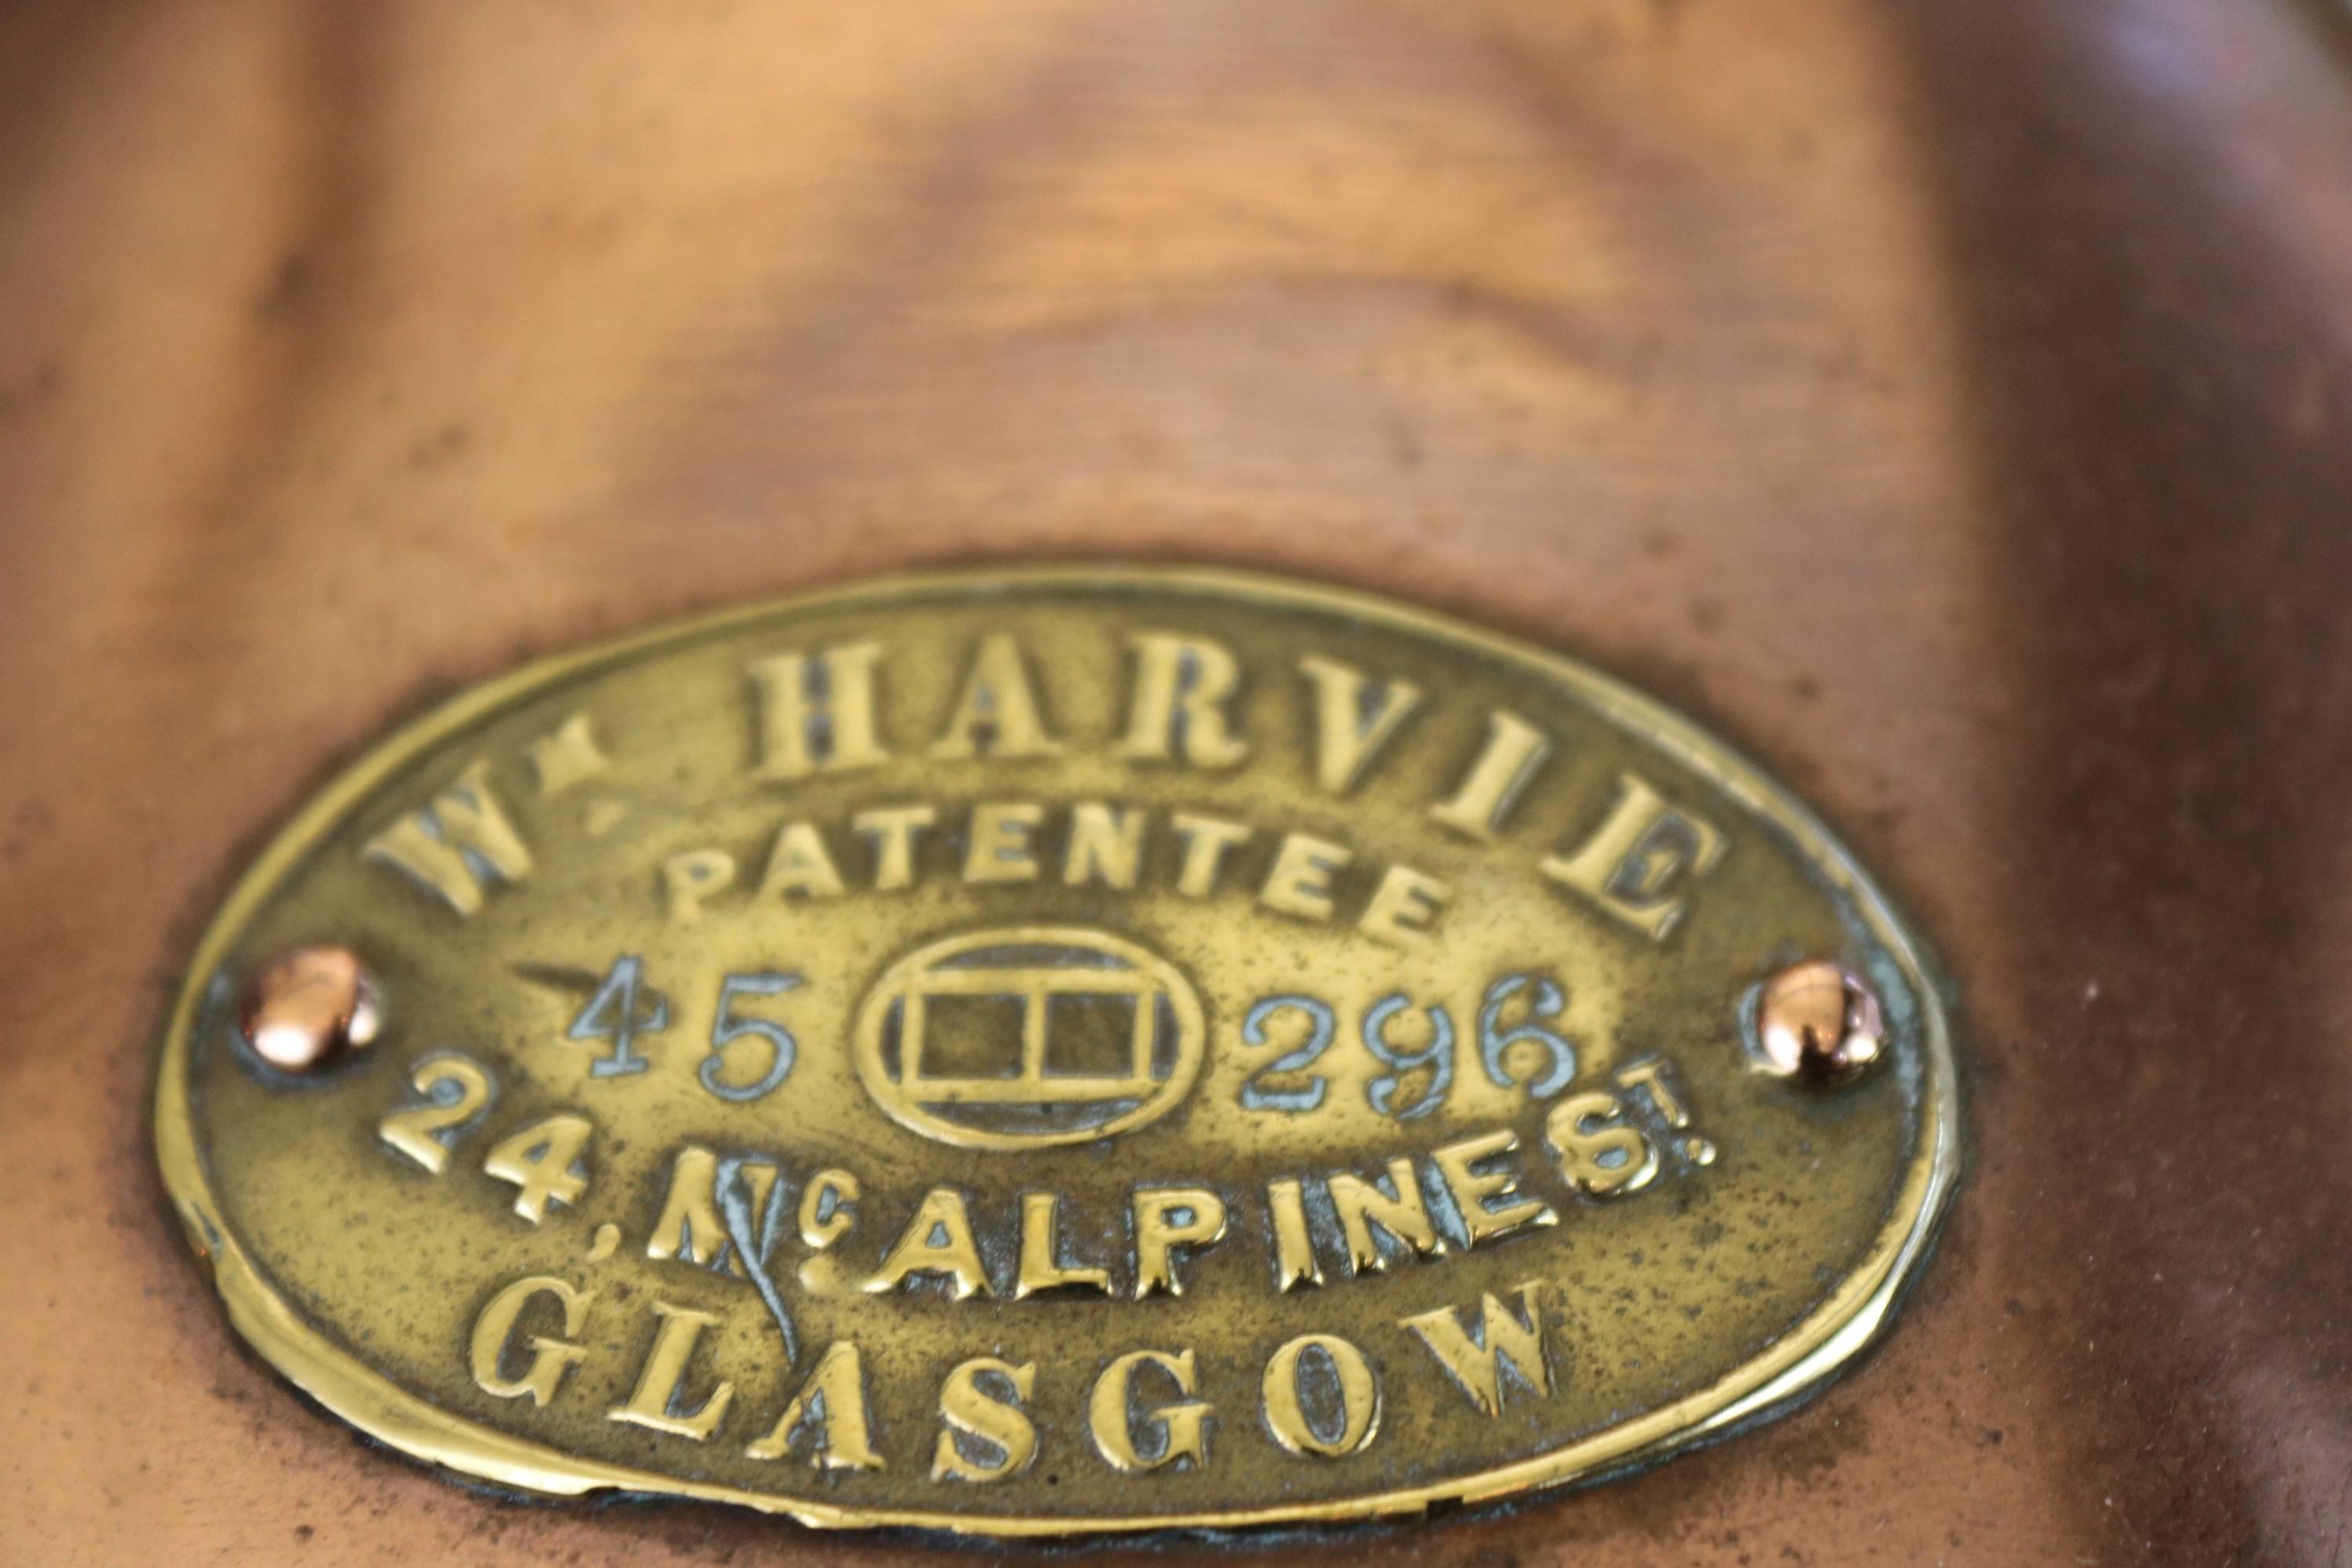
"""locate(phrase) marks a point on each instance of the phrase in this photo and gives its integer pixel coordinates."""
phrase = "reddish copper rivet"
(1818, 1022)
(306, 1007)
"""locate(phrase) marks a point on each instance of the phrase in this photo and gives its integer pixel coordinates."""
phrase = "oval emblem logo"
(1056, 1050)
(1028, 1037)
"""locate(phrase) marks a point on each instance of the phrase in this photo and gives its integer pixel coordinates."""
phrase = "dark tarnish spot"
(438, 447)
(45, 382)
(32, 823)
(291, 287)
(1667, 13)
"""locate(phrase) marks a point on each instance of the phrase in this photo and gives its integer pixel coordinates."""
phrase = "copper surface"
(348, 353)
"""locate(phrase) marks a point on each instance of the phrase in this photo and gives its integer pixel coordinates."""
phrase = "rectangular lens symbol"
(1044, 1035)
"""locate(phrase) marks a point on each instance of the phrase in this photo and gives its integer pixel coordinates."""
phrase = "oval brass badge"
(1056, 1050)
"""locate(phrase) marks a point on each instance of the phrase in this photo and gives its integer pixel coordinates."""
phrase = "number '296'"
(1415, 1079)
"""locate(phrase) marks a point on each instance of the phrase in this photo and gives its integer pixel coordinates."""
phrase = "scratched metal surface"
(1954, 404)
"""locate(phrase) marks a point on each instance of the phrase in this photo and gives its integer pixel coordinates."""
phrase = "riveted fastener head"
(304, 1007)
(1818, 1022)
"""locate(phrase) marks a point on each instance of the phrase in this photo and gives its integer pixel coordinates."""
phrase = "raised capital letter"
(1177, 1428)
(549, 1358)
(1182, 686)
(997, 715)
(659, 1400)
(817, 716)
(1165, 1219)
(1353, 719)
(450, 845)
(1503, 1339)
(1640, 862)
(832, 1402)
(1515, 749)
(997, 1423)
(1285, 1411)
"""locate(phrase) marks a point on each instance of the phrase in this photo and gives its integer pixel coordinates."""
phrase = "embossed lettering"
(1005, 1438)
(1358, 1396)
(1105, 845)
(1476, 1363)
(1182, 686)
(1040, 1265)
(1179, 1431)
(1353, 719)
(999, 851)
(1482, 1197)
(1399, 1210)
(893, 829)
(828, 1208)
(455, 1088)
(1638, 864)
(692, 877)
(567, 756)
(829, 1409)
(1301, 882)
(1403, 906)
(1206, 839)
(660, 1400)
(938, 1240)
(997, 715)
(1599, 1154)
(817, 717)
(451, 845)
(1167, 1219)
(689, 1229)
(1294, 1243)
(549, 1358)
(1497, 777)
(799, 863)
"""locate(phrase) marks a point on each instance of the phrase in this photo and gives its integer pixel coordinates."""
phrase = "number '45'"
(625, 1009)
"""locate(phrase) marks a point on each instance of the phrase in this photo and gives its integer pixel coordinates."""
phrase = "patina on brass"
(1058, 1050)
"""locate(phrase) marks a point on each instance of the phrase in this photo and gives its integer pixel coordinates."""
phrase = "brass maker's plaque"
(1056, 1050)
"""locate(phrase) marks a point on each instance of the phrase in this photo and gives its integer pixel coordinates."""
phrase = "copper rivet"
(1819, 1023)
(306, 1007)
